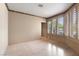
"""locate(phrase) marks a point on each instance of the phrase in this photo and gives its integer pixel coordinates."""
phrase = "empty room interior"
(39, 29)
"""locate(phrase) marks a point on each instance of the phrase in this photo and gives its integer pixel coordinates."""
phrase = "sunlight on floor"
(38, 48)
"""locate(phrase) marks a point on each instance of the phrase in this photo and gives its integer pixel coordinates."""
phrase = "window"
(49, 26)
(67, 24)
(60, 25)
(54, 26)
(74, 23)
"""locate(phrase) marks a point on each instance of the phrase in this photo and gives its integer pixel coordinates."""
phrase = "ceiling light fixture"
(40, 5)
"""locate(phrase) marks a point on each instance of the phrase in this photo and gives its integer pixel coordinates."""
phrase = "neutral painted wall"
(3, 28)
(23, 28)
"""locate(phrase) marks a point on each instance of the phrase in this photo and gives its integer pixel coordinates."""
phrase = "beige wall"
(3, 28)
(23, 28)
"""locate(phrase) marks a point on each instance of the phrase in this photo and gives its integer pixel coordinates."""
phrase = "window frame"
(49, 32)
(56, 25)
(70, 21)
(63, 24)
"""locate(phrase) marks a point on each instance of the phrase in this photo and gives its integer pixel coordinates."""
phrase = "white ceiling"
(48, 9)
